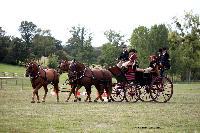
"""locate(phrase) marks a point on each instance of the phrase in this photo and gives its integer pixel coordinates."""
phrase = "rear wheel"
(161, 89)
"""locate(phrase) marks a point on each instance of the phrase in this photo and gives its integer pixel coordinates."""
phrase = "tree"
(109, 54)
(158, 38)
(5, 42)
(114, 38)
(44, 44)
(28, 30)
(79, 45)
(110, 51)
(53, 61)
(18, 50)
(188, 29)
(140, 41)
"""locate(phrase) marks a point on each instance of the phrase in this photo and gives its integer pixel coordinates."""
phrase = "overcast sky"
(95, 15)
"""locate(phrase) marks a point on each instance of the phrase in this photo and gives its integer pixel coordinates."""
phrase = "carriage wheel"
(118, 92)
(131, 93)
(161, 89)
(144, 93)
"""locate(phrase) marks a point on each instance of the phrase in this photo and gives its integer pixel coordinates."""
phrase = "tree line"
(182, 38)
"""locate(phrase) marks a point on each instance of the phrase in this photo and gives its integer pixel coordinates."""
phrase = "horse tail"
(108, 77)
(56, 81)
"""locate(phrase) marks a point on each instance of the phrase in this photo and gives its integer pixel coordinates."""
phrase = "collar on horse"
(78, 75)
(37, 75)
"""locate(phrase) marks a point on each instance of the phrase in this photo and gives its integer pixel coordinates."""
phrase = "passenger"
(153, 66)
(123, 56)
(132, 62)
(164, 61)
(159, 54)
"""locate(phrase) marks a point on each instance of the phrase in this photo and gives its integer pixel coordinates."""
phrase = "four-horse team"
(130, 78)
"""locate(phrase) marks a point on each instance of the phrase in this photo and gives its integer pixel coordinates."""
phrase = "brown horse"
(79, 76)
(42, 77)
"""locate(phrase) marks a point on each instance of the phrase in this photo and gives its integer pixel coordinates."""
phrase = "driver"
(123, 56)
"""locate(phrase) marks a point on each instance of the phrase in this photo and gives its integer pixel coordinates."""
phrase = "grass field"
(17, 114)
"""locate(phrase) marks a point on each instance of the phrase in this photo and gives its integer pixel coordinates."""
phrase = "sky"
(97, 16)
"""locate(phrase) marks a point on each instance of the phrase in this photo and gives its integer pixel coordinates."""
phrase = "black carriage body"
(139, 78)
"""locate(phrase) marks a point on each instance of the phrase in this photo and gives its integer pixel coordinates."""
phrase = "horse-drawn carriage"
(133, 86)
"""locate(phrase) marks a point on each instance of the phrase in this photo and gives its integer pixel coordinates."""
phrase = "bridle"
(30, 71)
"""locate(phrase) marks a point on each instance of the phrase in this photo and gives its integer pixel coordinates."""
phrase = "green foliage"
(111, 50)
(109, 54)
(79, 45)
(188, 42)
(53, 61)
(140, 41)
(27, 30)
(158, 37)
(114, 38)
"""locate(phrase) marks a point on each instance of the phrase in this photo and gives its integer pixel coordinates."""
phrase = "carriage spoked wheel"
(131, 93)
(144, 93)
(118, 92)
(161, 89)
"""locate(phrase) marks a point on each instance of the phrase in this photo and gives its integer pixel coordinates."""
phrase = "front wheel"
(132, 94)
(118, 92)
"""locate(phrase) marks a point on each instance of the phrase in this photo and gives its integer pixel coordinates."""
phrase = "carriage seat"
(138, 77)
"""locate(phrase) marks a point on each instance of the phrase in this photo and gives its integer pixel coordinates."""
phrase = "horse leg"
(33, 96)
(108, 89)
(78, 88)
(70, 93)
(38, 99)
(108, 95)
(100, 92)
(75, 94)
(45, 94)
(100, 96)
(88, 90)
(56, 89)
(35, 92)
(96, 99)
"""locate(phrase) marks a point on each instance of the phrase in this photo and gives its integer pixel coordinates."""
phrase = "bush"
(53, 61)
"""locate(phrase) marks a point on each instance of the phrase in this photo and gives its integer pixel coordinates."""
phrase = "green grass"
(17, 114)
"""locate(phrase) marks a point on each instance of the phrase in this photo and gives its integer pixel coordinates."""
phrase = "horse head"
(63, 66)
(32, 69)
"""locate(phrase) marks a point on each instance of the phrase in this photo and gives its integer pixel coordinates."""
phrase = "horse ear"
(73, 60)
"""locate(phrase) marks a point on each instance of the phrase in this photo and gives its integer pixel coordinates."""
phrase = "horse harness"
(34, 76)
(74, 75)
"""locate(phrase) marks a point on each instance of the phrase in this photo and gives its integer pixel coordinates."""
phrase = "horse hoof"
(79, 99)
(43, 101)
(66, 100)
(90, 101)
(109, 100)
(95, 100)
(38, 101)
(32, 101)
(75, 100)
(102, 100)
